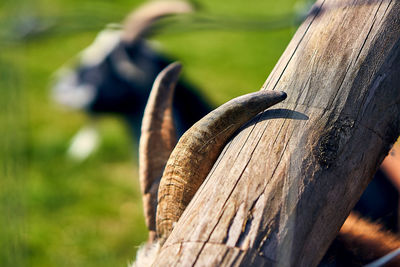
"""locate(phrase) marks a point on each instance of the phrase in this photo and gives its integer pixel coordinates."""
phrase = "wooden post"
(285, 183)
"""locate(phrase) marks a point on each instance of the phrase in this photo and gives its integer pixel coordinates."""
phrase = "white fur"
(67, 90)
(105, 41)
(146, 255)
(84, 143)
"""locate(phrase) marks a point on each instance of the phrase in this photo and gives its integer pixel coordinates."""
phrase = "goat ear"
(140, 21)
(157, 140)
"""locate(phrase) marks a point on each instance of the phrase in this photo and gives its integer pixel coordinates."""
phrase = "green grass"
(57, 212)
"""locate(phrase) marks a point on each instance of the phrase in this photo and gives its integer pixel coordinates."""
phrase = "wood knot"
(333, 140)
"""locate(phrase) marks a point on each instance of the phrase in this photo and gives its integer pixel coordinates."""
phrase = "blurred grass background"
(57, 212)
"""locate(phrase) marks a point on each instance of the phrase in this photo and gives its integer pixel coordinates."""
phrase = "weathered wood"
(283, 186)
(197, 150)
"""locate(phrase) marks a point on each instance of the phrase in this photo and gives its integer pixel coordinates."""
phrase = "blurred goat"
(116, 72)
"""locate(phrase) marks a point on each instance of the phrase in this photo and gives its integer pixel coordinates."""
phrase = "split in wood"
(197, 150)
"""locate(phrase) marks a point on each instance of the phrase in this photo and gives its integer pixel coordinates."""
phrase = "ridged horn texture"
(157, 140)
(140, 21)
(197, 150)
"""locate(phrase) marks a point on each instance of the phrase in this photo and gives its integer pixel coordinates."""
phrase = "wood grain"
(196, 152)
(284, 185)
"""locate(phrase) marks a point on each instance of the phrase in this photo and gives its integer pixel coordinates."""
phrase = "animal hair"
(360, 242)
(146, 255)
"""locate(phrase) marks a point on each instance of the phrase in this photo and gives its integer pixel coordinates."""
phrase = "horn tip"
(174, 67)
(274, 95)
(171, 72)
(283, 95)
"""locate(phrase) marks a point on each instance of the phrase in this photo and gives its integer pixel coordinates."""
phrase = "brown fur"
(360, 242)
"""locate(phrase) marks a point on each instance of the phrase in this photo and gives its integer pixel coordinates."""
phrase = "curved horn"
(197, 150)
(157, 140)
(139, 21)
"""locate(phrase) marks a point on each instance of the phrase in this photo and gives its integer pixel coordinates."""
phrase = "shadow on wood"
(282, 187)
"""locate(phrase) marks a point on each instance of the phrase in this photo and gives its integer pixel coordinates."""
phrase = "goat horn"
(157, 140)
(140, 21)
(197, 150)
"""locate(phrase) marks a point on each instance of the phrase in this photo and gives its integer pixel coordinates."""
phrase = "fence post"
(283, 186)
